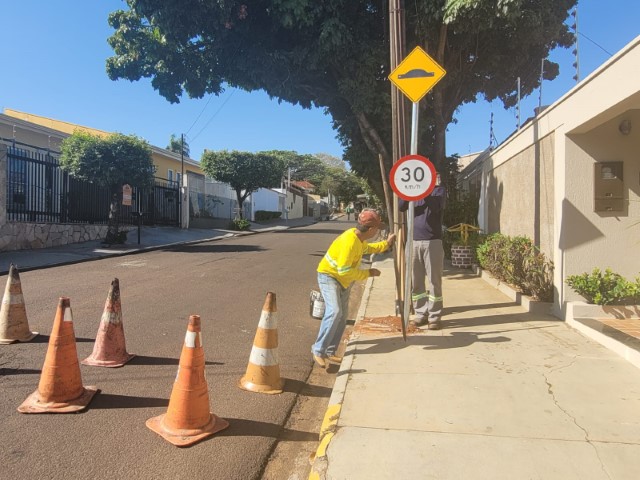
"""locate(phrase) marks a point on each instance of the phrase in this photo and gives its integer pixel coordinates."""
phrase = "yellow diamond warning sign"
(417, 74)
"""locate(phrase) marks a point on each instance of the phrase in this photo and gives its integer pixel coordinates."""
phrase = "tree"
(245, 172)
(178, 145)
(110, 162)
(335, 55)
(346, 186)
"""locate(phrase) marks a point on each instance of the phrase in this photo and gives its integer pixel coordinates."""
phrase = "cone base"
(186, 438)
(258, 388)
(108, 363)
(28, 338)
(33, 404)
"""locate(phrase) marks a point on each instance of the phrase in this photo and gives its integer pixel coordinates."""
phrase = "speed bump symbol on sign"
(413, 177)
(417, 74)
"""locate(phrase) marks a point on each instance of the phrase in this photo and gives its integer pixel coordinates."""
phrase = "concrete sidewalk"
(499, 393)
(151, 238)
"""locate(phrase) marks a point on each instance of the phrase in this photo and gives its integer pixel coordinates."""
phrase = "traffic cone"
(110, 349)
(14, 326)
(263, 371)
(60, 389)
(188, 419)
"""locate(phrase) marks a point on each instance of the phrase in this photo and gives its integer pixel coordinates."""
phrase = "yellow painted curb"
(327, 431)
(330, 419)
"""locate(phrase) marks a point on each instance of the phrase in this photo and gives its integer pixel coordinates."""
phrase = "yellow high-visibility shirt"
(342, 260)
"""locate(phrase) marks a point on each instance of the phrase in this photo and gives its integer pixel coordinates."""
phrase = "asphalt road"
(225, 282)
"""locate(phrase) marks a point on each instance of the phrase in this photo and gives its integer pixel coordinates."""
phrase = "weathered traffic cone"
(60, 389)
(263, 370)
(14, 326)
(110, 349)
(188, 419)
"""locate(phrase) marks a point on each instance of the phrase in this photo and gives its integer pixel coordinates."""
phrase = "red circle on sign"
(398, 185)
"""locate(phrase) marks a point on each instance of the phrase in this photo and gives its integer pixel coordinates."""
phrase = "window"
(170, 175)
(179, 179)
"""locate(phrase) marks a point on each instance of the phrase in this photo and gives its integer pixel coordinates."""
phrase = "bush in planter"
(608, 288)
(519, 262)
(239, 224)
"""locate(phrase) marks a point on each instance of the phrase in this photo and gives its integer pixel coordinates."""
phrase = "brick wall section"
(461, 256)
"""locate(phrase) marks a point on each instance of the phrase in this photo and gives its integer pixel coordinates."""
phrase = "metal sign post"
(416, 75)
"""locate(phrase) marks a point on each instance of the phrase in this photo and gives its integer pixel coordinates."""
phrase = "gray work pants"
(428, 261)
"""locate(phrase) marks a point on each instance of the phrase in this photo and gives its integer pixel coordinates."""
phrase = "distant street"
(225, 282)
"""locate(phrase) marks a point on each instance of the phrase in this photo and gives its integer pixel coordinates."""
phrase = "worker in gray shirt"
(428, 257)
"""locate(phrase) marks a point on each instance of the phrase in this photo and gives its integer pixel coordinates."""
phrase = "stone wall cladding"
(27, 236)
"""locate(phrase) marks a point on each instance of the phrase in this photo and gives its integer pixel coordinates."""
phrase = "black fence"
(39, 191)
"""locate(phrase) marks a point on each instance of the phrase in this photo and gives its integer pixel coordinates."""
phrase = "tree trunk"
(240, 199)
(113, 234)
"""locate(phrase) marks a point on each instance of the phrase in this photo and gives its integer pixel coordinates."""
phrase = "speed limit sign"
(413, 177)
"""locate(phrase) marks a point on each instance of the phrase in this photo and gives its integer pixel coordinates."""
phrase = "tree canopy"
(334, 55)
(111, 161)
(178, 145)
(245, 172)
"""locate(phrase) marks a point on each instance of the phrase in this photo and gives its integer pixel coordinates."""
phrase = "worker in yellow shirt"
(338, 269)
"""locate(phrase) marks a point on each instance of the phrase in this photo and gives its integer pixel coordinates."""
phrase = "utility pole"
(182, 161)
(518, 105)
(576, 50)
(399, 136)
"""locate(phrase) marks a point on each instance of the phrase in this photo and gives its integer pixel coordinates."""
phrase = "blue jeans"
(336, 300)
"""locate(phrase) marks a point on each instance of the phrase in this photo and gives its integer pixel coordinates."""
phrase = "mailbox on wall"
(608, 187)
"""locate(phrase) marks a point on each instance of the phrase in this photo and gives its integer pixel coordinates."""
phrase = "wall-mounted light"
(625, 127)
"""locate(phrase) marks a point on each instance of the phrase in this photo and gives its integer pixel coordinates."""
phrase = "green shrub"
(519, 262)
(608, 288)
(262, 215)
(239, 224)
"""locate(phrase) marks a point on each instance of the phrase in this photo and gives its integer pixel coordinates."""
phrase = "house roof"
(304, 184)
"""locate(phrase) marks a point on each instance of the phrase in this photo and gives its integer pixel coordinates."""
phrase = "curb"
(134, 251)
(332, 414)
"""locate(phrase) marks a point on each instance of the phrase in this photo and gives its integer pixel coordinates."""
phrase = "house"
(48, 133)
(569, 178)
(43, 207)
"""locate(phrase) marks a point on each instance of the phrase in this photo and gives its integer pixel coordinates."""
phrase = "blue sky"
(54, 65)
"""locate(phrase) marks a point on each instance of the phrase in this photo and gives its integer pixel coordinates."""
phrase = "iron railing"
(39, 191)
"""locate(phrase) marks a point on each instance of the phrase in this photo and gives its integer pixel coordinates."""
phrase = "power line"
(201, 112)
(596, 44)
(213, 116)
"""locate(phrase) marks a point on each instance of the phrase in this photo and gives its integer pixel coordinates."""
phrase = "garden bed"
(529, 304)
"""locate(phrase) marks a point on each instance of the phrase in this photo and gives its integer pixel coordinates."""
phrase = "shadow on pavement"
(45, 339)
(217, 248)
(253, 428)
(301, 388)
(145, 360)
(109, 400)
(17, 371)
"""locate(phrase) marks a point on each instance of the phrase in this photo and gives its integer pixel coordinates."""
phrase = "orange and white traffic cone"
(263, 370)
(14, 326)
(60, 389)
(188, 418)
(110, 349)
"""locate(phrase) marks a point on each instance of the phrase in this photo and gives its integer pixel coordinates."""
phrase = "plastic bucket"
(316, 304)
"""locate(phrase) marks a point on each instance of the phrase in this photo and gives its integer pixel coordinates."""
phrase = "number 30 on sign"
(413, 177)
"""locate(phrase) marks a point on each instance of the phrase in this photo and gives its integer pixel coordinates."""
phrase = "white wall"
(266, 199)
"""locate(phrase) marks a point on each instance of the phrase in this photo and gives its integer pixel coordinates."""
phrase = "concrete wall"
(519, 195)
(266, 199)
(601, 239)
(563, 142)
